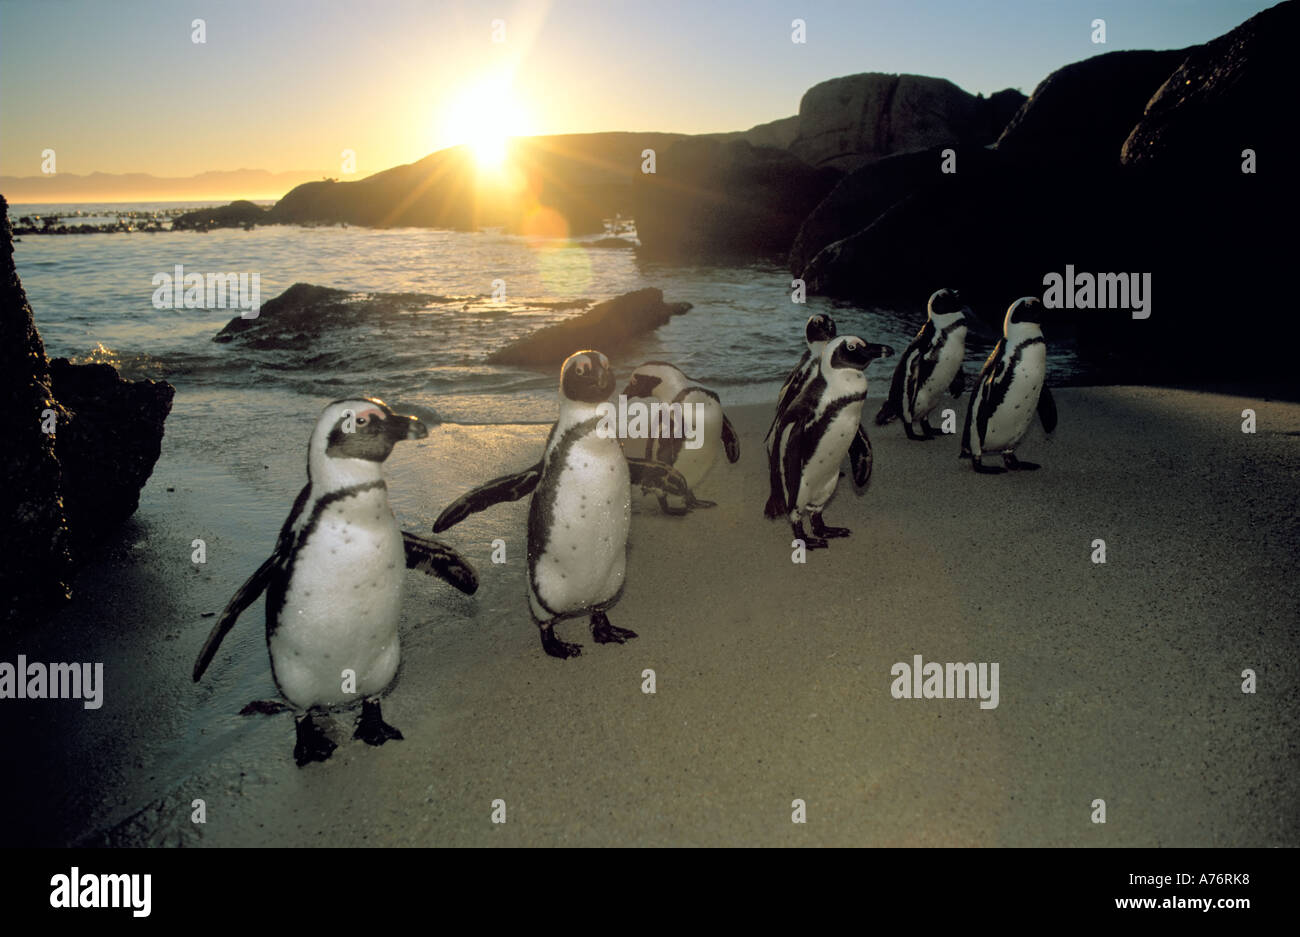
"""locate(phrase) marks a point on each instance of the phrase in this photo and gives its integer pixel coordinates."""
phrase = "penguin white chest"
(1008, 424)
(582, 509)
(822, 471)
(948, 358)
(341, 606)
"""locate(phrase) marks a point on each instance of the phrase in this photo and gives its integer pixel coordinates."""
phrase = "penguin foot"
(930, 431)
(557, 648)
(922, 435)
(672, 511)
(811, 543)
(264, 707)
(1016, 465)
(602, 632)
(313, 744)
(821, 530)
(986, 469)
(371, 727)
(694, 502)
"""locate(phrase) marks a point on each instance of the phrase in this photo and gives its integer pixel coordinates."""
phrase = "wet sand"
(1119, 681)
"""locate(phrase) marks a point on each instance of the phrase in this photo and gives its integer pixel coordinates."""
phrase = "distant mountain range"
(142, 187)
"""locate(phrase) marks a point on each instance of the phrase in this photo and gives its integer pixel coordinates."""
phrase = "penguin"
(580, 510)
(814, 435)
(931, 364)
(669, 385)
(1010, 388)
(819, 330)
(334, 581)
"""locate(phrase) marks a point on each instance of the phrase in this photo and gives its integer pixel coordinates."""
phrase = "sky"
(283, 85)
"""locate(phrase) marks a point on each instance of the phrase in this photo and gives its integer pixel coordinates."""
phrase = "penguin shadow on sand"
(580, 512)
(817, 424)
(334, 582)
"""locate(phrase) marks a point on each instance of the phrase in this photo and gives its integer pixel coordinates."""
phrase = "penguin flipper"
(439, 559)
(775, 506)
(789, 391)
(245, 597)
(660, 476)
(731, 442)
(861, 459)
(506, 488)
(986, 375)
(1047, 409)
(791, 387)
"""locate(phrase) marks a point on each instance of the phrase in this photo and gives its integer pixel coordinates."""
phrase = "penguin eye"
(582, 368)
(362, 420)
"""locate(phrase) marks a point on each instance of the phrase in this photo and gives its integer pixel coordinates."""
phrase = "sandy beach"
(1119, 681)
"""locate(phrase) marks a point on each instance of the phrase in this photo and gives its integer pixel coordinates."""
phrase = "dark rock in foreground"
(108, 447)
(36, 576)
(605, 327)
(65, 490)
(725, 200)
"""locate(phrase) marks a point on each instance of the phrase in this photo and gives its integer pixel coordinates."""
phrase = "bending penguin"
(712, 431)
(815, 433)
(581, 508)
(1009, 390)
(334, 581)
(930, 365)
(819, 330)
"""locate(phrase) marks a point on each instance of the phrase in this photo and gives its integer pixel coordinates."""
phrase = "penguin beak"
(878, 351)
(402, 427)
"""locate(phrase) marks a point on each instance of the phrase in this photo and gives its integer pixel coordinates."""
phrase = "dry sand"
(1119, 681)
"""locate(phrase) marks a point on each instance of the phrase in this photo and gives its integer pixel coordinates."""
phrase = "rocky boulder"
(847, 122)
(109, 445)
(606, 327)
(732, 200)
(1222, 99)
(36, 576)
(303, 312)
(67, 488)
(1082, 113)
(866, 193)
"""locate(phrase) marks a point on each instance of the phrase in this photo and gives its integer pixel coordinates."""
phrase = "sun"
(484, 117)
